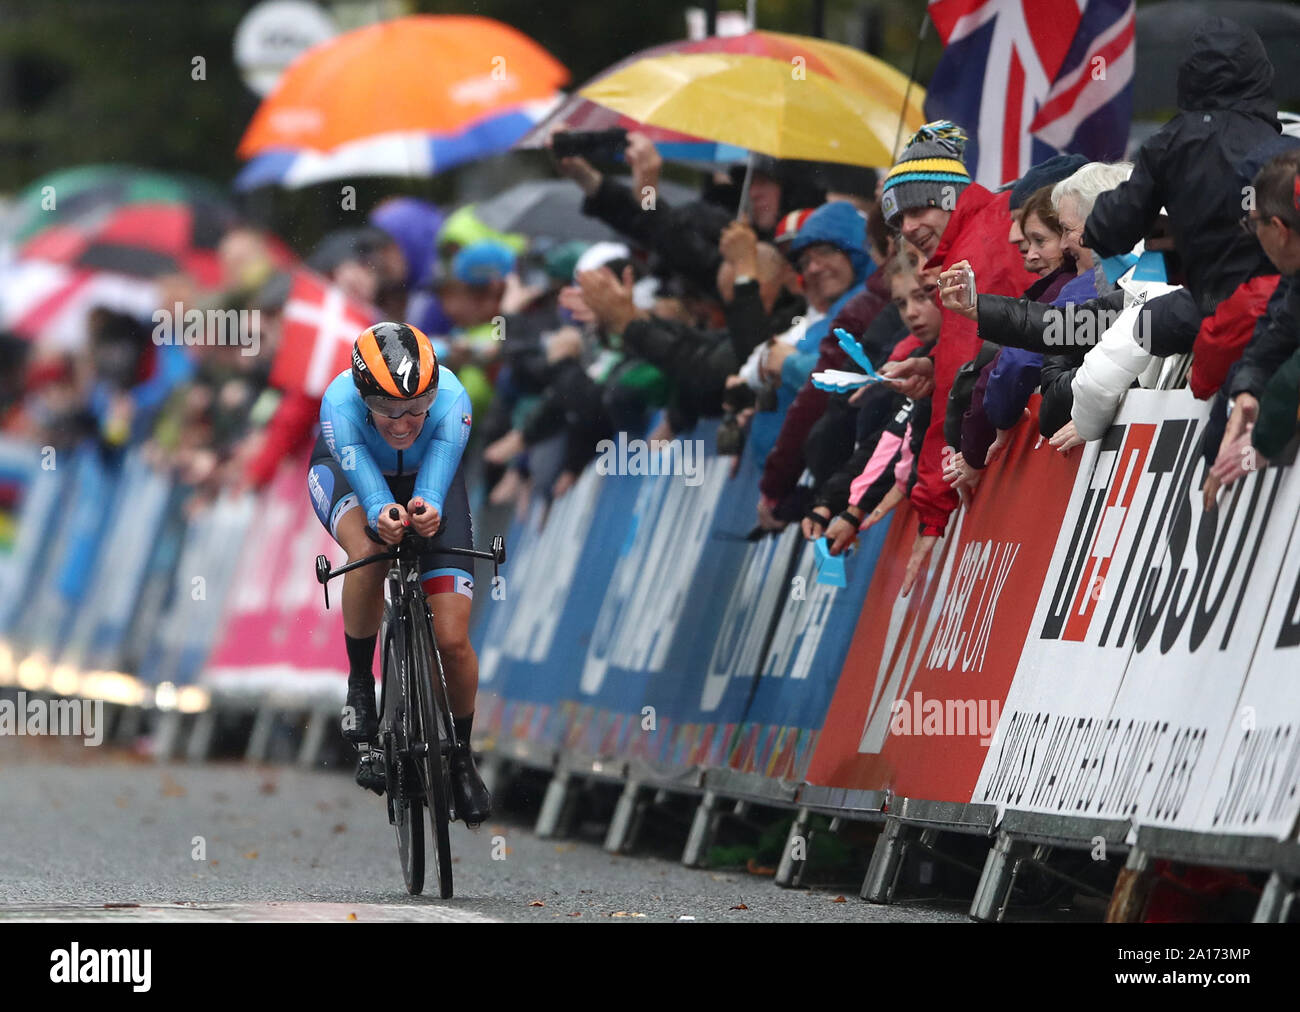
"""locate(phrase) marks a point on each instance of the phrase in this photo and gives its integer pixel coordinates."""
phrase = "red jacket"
(289, 430)
(977, 231)
(1225, 333)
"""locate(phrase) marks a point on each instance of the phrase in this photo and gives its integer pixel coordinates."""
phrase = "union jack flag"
(1028, 79)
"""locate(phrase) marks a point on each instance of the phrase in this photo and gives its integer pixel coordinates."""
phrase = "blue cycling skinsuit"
(353, 467)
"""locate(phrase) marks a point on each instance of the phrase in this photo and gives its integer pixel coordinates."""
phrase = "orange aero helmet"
(394, 362)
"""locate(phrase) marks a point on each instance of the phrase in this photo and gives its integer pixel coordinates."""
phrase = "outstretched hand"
(920, 552)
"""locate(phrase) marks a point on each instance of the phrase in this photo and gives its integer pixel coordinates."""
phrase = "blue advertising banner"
(803, 663)
(535, 630)
(29, 493)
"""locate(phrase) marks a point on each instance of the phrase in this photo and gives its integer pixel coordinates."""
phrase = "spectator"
(1267, 422)
(951, 219)
(858, 489)
(1225, 98)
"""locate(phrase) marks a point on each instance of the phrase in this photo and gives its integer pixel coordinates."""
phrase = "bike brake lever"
(323, 577)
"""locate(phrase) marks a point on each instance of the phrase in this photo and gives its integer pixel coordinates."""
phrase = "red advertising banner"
(926, 677)
(277, 636)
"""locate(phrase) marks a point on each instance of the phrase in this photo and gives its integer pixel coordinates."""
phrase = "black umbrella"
(553, 208)
(1164, 38)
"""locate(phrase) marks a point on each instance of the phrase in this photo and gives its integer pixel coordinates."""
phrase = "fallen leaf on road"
(537, 903)
(214, 863)
(340, 827)
(170, 788)
(740, 906)
(576, 913)
(562, 848)
(352, 917)
(251, 854)
(268, 787)
(839, 899)
(120, 802)
(754, 868)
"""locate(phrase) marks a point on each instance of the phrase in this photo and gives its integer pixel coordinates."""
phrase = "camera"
(602, 145)
(731, 437)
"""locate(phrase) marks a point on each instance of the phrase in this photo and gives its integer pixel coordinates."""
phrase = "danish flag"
(320, 325)
(1031, 78)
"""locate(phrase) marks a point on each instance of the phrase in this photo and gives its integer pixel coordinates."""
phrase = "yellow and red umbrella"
(405, 97)
(788, 96)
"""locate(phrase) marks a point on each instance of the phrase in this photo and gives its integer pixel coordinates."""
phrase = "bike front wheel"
(426, 670)
(406, 806)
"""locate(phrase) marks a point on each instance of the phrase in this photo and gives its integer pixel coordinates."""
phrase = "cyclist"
(393, 429)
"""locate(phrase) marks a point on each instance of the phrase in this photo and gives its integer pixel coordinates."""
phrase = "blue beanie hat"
(483, 262)
(841, 225)
(1046, 173)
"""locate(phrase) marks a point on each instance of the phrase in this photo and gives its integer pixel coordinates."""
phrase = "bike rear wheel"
(435, 726)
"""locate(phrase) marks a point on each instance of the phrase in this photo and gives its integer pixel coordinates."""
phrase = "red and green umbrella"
(141, 240)
(70, 195)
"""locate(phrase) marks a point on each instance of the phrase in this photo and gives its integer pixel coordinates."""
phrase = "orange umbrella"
(405, 81)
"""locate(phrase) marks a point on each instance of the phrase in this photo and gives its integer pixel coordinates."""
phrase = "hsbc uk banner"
(927, 675)
(1131, 679)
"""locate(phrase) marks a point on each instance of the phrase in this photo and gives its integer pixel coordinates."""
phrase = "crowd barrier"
(641, 627)
(1087, 655)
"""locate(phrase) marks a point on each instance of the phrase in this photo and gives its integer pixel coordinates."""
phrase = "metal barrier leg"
(260, 738)
(618, 837)
(795, 855)
(1132, 889)
(127, 728)
(886, 862)
(1276, 901)
(554, 804)
(994, 889)
(168, 736)
(200, 743)
(703, 829)
(318, 723)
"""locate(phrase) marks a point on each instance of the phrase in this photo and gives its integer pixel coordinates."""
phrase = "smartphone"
(968, 294)
(602, 145)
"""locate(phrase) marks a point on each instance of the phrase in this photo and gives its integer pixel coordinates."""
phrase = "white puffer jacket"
(1108, 370)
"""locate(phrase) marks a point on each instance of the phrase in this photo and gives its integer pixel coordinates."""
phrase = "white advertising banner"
(1255, 785)
(1143, 637)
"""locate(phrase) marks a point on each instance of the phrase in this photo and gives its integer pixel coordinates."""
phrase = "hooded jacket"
(1190, 166)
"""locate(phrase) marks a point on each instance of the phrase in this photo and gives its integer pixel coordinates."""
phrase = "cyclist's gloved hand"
(389, 529)
(424, 518)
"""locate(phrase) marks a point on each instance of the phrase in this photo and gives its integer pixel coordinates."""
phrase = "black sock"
(361, 655)
(463, 727)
